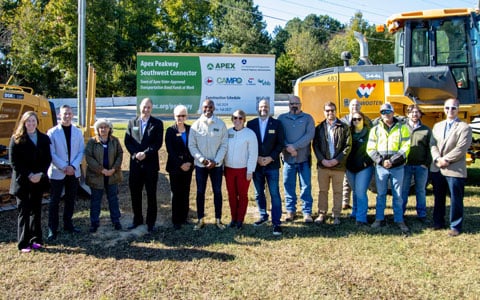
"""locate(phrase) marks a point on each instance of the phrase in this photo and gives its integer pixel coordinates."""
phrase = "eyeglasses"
(237, 118)
(181, 116)
(386, 112)
(329, 110)
(356, 119)
(294, 103)
(450, 108)
(208, 106)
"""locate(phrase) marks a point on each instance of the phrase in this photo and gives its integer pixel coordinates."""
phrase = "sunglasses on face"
(450, 108)
(356, 119)
(294, 103)
(237, 118)
(386, 112)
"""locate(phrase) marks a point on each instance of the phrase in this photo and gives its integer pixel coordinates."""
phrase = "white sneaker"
(200, 224)
(320, 219)
(307, 218)
(219, 224)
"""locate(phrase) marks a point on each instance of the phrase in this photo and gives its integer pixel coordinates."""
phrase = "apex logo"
(365, 90)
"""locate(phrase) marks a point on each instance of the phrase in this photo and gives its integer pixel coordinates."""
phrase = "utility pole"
(81, 75)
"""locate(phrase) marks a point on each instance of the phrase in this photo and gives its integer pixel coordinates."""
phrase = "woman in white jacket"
(240, 162)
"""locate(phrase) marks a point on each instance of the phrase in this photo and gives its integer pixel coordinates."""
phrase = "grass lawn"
(307, 262)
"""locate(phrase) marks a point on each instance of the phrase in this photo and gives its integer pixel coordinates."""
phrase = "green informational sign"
(168, 81)
(231, 81)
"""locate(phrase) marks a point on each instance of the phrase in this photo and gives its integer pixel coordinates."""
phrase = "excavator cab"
(439, 51)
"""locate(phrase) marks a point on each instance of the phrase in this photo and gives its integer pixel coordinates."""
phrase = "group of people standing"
(349, 151)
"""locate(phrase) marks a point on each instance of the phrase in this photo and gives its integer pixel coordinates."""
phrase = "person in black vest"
(30, 157)
(143, 139)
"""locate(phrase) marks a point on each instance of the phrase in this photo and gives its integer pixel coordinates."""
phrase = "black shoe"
(73, 229)
(239, 225)
(260, 222)
(232, 224)
(424, 220)
(277, 230)
(177, 226)
(51, 236)
(117, 226)
(132, 226)
(361, 224)
(152, 228)
(93, 228)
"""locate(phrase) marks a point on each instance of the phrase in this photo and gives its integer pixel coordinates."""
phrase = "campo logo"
(229, 80)
(365, 90)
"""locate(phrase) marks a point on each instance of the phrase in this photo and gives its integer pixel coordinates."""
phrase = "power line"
(284, 20)
(349, 7)
(316, 8)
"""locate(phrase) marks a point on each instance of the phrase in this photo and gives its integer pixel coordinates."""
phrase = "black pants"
(136, 182)
(180, 187)
(70, 183)
(29, 204)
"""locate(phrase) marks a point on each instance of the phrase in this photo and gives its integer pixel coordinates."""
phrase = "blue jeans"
(201, 176)
(420, 174)
(456, 186)
(270, 176)
(96, 204)
(382, 178)
(359, 183)
(304, 171)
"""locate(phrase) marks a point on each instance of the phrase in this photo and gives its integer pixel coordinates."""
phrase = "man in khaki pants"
(331, 144)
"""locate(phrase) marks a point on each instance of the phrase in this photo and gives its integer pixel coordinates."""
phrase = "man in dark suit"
(270, 137)
(451, 140)
(143, 139)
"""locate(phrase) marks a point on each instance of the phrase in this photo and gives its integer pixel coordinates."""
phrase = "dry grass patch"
(308, 261)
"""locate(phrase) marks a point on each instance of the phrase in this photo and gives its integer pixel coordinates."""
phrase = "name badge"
(271, 131)
(135, 128)
(179, 134)
(230, 136)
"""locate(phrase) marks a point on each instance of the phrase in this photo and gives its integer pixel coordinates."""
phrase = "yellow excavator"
(14, 101)
(437, 56)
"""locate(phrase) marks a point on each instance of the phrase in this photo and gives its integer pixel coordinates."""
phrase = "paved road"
(121, 114)
(117, 114)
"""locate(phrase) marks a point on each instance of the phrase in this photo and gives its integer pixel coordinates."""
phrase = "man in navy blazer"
(66, 149)
(270, 137)
(143, 139)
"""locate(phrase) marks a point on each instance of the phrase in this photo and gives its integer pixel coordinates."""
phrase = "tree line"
(38, 40)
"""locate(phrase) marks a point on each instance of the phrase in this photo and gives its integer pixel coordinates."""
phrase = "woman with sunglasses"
(179, 165)
(240, 162)
(359, 167)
